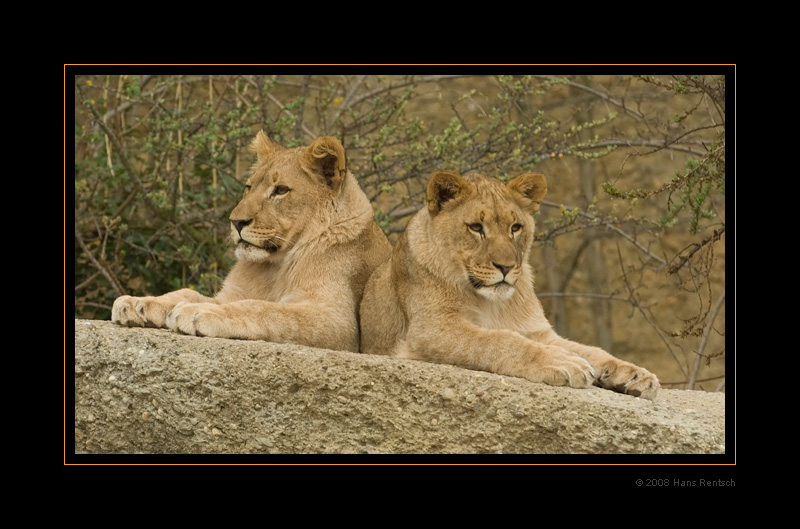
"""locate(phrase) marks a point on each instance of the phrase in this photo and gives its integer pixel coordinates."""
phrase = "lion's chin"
(254, 254)
(497, 292)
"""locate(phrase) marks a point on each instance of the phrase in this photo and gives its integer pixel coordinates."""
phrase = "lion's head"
(285, 196)
(482, 229)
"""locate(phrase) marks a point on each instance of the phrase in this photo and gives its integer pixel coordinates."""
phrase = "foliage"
(160, 162)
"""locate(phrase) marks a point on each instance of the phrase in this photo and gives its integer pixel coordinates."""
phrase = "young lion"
(458, 289)
(306, 243)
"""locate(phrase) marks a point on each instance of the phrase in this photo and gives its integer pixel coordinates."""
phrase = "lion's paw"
(145, 311)
(196, 319)
(560, 368)
(628, 378)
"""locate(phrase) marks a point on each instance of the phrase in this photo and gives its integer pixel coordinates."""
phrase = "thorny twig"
(693, 249)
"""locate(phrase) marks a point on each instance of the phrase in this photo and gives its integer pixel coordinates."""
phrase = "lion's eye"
(280, 190)
(246, 189)
(515, 228)
(477, 228)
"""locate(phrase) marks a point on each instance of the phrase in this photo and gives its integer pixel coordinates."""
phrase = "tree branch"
(597, 221)
(704, 340)
(115, 284)
(693, 249)
(347, 99)
(601, 95)
(134, 176)
(636, 304)
(413, 80)
(582, 295)
(298, 125)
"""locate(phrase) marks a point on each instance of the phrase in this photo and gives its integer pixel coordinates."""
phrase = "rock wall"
(153, 391)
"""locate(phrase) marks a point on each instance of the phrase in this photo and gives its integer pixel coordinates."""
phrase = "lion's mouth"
(268, 246)
(477, 283)
(500, 291)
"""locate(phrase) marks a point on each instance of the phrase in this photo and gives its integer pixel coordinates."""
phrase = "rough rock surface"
(153, 391)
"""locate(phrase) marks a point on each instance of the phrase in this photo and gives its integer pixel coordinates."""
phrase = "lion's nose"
(239, 224)
(503, 268)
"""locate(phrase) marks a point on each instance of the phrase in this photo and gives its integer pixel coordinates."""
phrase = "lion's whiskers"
(280, 238)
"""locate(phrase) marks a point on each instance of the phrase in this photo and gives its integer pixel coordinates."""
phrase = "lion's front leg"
(316, 324)
(150, 311)
(450, 341)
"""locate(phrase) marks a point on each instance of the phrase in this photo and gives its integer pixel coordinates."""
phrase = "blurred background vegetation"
(631, 238)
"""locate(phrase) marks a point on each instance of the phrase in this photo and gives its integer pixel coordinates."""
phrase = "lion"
(306, 243)
(458, 289)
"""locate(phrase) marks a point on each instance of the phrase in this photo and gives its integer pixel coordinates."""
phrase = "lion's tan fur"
(306, 243)
(458, 289)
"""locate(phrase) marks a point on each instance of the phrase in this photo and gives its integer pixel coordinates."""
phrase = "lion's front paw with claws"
(557, 367)
(628, 378)
(146, 311)
(196, 319)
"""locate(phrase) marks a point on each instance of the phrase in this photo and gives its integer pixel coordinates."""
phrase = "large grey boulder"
(154, 391)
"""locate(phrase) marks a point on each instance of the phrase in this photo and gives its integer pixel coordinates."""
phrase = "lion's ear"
(532, 187)
(443, 187)
(263, 146)
(326, 159)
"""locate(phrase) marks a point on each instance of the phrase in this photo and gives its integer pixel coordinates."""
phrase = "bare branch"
(284, 109)
(704, 340)
(598, 221)
(693, 249)
(407, 82)
(298, 126)
(607, 297)
(656, 144)
(347, 99)
(709, 379)
(641, 310)
(101, 267)
(605, 97)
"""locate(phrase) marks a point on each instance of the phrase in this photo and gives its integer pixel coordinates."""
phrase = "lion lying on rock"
(306, 243)
(458, 289)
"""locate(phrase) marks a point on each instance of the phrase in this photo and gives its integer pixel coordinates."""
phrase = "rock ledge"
(154, 391)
